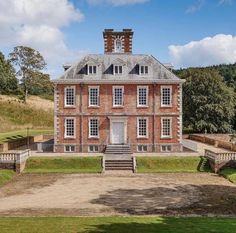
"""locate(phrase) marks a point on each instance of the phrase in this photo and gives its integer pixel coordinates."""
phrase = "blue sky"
(185, 32)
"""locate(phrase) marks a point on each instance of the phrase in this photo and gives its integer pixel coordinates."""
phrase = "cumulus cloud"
(38, 24)
(208, 51)
(116, 2)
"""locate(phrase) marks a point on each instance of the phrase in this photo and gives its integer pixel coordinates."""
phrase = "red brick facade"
(82, 76)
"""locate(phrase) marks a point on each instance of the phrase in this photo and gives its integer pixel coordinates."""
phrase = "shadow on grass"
(170, 225)
(204, 165)
(172, 200)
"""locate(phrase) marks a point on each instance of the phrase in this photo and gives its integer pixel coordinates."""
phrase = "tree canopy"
(8, 80)
(27, 61)
(208, 103)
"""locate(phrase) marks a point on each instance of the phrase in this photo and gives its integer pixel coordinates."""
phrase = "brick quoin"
(82, 112)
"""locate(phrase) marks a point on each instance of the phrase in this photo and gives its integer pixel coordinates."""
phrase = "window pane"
(166, 127)
(166, 96)
(69, 127)
(142, 127)
(118, 96)
(142, 96)
(93, 96)
(70, 96)
(93, 131)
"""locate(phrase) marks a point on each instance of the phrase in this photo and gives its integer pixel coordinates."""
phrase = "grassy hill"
(37, 113)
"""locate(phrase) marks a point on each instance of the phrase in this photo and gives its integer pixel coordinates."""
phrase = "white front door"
(117, 132)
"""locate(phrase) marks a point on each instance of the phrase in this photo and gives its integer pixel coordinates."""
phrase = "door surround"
(119, 119)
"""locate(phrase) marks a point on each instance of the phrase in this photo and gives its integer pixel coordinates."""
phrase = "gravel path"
(117, 194)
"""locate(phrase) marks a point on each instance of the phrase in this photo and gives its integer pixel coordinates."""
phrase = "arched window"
(118, 45)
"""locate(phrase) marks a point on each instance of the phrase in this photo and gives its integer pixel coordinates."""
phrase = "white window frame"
(138, 88)
(142, 146)
(93, 150)
(65, 127)
(166, 151)
(142, 136)
(162, 104)
(144, 69)
(113, 96)
(166, 136)
(92, 73)
(70, 147)
(98, 96)
(93, 136)
(65, 96)
(118, 69)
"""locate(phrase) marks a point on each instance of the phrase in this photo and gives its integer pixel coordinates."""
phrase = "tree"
(26, 60)
(39, 83)
(208, 104)
(8, 80)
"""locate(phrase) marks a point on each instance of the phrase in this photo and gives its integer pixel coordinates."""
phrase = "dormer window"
(143, 70)
(117, 69)
(92, 69)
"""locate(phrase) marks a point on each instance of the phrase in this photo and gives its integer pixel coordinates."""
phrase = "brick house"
(118, 98)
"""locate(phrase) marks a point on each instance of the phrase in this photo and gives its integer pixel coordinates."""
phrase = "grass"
(5, 176)
(63, 165)
(12, 135)
(171, 164)
(116, 225)
(229, 173)
(16, 115)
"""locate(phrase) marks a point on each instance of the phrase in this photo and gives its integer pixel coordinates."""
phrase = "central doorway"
(118, 133)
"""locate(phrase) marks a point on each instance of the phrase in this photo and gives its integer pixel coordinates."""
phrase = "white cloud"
(208, 51)
(228, 2)
(38, 23)
(116, 2)
(192, 9)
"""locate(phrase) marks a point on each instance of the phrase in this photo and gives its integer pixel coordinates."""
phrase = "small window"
(69, 127)
(143, 70)
(93, 96)
(166, 99)
(69, 148)
(142, 97)
(69, 96)
(142, 148)
(142, 128)
(117, 69)
(92, 69)
(118, 96)
(166, 148)
(166, 127)
(92, 148)
(118, 46)
(93, 128)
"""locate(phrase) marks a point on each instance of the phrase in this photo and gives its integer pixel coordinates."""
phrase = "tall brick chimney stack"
(118, 42)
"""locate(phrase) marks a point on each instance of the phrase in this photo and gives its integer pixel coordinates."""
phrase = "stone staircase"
(118, 150)
(119, 164)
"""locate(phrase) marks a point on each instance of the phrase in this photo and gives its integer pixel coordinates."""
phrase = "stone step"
(119, 168)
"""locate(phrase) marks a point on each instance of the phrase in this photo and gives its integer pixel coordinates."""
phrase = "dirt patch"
(103, 195)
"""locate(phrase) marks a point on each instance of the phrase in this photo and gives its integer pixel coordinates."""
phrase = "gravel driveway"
(103, 195)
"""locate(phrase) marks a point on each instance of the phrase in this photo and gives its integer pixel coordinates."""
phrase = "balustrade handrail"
(14, 156)
(220, 156)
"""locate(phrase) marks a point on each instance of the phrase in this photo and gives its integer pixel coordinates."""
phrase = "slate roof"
(157, 72)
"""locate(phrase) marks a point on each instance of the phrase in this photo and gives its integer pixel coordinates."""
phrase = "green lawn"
(63, 165)
(6, 175)
(171, 164)
(8, 136)
(230, 174)
(116, 225)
